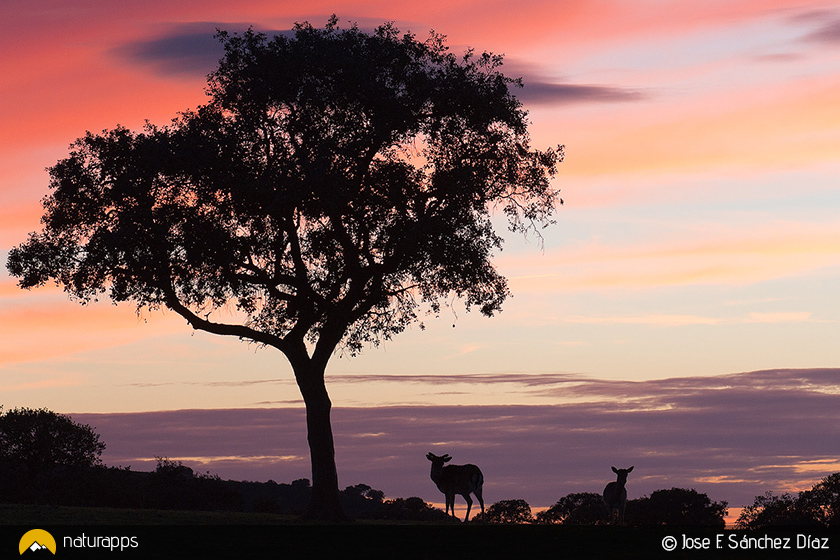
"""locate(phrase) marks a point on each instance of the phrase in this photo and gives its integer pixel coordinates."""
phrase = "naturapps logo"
(37, 542)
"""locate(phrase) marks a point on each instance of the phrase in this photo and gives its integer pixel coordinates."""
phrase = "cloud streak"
(539, 92)
(191, 49)
(827, 31)
(721, 255)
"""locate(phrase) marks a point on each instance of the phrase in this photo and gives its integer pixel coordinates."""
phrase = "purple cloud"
(733, 437)
(190, 49)
(828, 33)
(539, 92)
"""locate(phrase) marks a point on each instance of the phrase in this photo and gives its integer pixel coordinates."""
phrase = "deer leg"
(481, 502)
(469, 505)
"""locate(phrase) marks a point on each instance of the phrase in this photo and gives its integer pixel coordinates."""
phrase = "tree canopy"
(676, 506)
(335, 183)
(581, 508)
(818, 506)
(509, 511)
(41, 439)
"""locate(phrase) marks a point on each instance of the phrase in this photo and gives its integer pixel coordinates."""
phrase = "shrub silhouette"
(41, 439)
(509, 511)
(409, 509)
(676, 506)
(584, 508)
(37, 447)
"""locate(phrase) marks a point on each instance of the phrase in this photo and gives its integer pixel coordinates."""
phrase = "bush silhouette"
(41, 439)
(38, 447)
(509, 511)
(818, 506)
(676, 506)
(584, 508)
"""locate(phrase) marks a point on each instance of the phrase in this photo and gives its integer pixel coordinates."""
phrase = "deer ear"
(614, 470)
(630, 469)
(429, 456)
(446, 458)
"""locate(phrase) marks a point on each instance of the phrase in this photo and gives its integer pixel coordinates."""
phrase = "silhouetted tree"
(769, 509)
(39, 449)
(360, 500)
(335, 184)
(168, 469)
(818, 506)
(174, 485)
(824, 500)
(509, 511)
(585, 508)
(409, 509)
(677, 506)
(41, 439)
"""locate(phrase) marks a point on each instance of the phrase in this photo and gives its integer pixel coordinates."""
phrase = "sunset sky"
(699, 242)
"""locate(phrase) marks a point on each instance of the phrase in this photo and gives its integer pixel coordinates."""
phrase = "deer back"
(614, 493)
(459, 479)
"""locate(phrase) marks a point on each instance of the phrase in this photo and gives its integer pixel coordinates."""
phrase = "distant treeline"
(174, 486)
(46, 458)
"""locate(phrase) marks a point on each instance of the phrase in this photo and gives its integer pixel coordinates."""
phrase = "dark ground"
(175, 535)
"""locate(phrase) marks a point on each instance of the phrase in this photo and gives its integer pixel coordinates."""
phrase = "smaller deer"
(457, 479)
(615, 496)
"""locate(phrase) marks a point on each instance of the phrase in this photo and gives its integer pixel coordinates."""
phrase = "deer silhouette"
(457, 479)
(615, 496)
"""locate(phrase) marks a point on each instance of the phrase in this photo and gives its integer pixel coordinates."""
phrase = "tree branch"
(241, 331)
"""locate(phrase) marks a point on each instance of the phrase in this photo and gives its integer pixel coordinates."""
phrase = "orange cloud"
(797, 126)
(36, 328)
(778, 250)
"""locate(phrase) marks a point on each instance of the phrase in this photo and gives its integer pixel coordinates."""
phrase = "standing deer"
(615, 496)
(457, 479)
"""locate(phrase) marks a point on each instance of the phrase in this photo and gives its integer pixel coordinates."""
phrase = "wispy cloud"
(191, 49)
(546, 93)
(711, 254)
(825, 25)
(680, 320)
(828, 33)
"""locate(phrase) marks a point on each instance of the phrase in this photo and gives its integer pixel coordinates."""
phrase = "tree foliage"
(584, 508)
(676, 506)
(818, 506)
(409, 509)
(336, 183)
(509, 511)
(40, 440)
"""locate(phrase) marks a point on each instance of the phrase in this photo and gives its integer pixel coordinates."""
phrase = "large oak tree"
(336, 184)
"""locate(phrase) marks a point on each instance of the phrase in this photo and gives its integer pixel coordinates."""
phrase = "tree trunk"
(324, 504)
